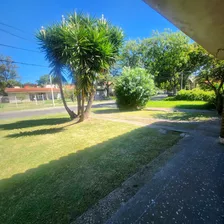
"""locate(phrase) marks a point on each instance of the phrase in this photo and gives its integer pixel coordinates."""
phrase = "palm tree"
(87, 46)
(51, 44)
(92, 46)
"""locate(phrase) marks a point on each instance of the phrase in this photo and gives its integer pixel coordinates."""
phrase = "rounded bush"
(134, 88)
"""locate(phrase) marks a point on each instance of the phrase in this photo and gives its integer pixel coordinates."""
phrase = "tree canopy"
(8, 73)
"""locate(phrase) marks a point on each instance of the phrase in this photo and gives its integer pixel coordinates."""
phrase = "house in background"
(32, 93)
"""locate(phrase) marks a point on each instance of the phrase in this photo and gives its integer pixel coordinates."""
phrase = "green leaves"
(134, 88)
(84, 44)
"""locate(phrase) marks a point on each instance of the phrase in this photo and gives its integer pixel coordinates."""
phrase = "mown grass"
(181, 104)
(52, 169)
(174, 116)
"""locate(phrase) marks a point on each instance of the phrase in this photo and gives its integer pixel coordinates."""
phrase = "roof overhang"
(201, 20)
(31, 90)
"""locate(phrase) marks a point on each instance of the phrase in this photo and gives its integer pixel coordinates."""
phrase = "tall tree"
(51, 43)
(44, 80)
(210, 74)
(8, 73)
(131, 55)
(92, 46)
(86, 46)
(166, 56)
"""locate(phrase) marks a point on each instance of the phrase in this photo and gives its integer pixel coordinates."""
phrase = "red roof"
(30, 90)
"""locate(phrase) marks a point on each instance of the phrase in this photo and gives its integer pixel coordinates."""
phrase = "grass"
(52, 170)
(181, 104)
(173, 116)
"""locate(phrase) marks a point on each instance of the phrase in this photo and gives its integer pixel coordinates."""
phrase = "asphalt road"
(46, 111)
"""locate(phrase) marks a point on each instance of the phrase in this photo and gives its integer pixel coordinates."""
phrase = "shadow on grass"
(112, 111)
(112, 105)
(33, 123)
(182, 116)
(106, 111)
(206, 106)
(61, 190)
(46, 131)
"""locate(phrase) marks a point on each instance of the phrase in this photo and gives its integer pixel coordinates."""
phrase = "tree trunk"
(79, 104)
(82, 117)
(174, 90)
(108, 90)
(219, 103)
(70, 112)
(90, 102)
(221, 136)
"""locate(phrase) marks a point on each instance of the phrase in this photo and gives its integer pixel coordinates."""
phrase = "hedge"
(195, 95)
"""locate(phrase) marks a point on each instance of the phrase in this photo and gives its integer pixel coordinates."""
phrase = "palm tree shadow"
(36, 132)
(33, 123)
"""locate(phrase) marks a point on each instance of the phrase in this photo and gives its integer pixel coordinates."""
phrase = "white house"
(32, 93)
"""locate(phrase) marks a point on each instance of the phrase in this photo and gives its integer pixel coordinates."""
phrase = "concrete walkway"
(188, 189)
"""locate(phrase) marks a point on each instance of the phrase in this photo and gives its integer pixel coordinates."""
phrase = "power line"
(5, 31)
(4, 24)
(24, 49)
(24, 63)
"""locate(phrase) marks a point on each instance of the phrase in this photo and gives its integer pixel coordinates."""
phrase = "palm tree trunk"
(70, 112)
(79, 103)
(90, 102)
(82, 117)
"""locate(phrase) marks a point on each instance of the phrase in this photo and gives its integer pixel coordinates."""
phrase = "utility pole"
(52, 93)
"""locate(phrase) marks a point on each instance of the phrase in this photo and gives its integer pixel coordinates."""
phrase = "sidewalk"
(178, 110)
(188, 189)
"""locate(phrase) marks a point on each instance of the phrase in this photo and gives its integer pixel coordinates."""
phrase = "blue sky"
(136, 18)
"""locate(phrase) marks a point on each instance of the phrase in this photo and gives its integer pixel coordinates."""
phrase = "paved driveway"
(188, 189)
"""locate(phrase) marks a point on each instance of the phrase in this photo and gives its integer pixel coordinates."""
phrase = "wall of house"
(56, 96)
(20, 97)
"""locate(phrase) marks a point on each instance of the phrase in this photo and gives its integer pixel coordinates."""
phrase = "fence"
(11, 103)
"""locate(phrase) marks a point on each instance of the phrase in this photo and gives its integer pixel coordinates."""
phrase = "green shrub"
(195, 95)
(134, 88)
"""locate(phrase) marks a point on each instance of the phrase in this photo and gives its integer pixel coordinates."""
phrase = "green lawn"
(174, 116)
(52, 170)
(181, 104)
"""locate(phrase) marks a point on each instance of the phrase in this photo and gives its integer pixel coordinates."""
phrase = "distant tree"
(166, 56)
(106, 81)
(130, 55)
(210, 74)
(29, 84)
(21, 96)
(13, 83)
(43, 80)
(69, 93)
(8, 73)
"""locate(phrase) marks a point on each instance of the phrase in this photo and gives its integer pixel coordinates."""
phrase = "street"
(46, 111)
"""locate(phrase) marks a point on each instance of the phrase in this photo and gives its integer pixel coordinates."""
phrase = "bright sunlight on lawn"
(160, 115)
(52, 170)
(181, 104)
